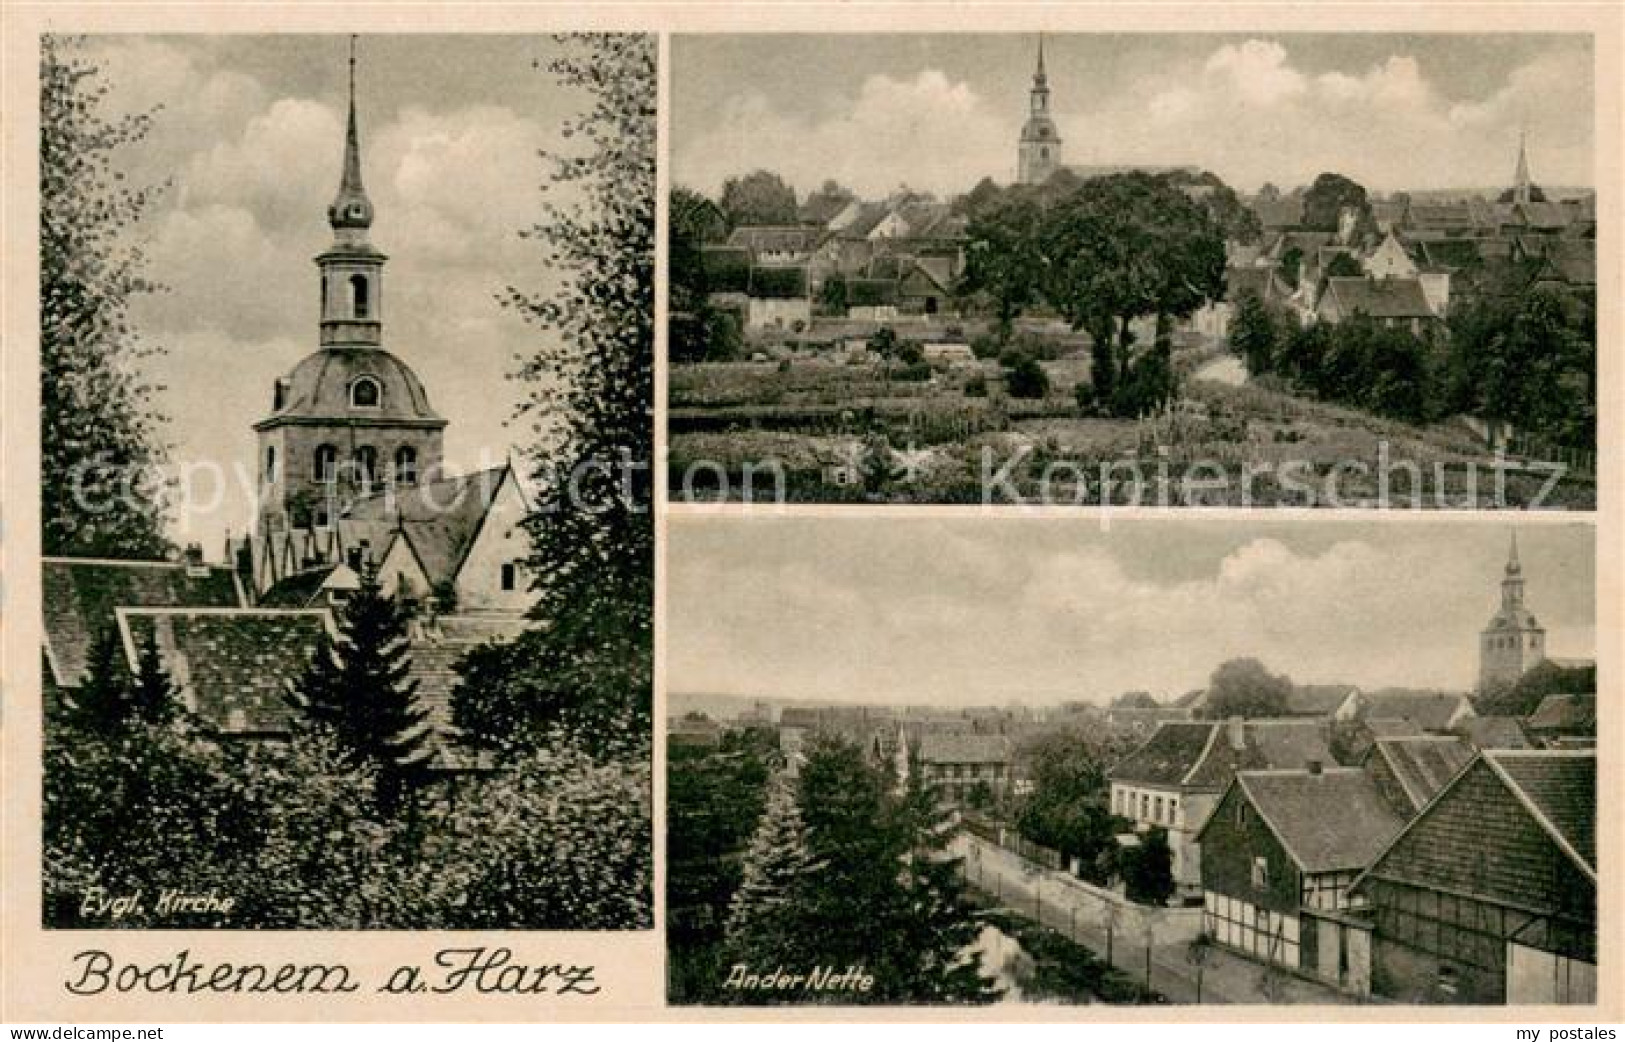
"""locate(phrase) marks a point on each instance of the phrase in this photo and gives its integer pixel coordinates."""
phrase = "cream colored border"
(631, 966)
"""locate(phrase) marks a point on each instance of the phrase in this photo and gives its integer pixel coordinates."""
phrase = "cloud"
(972, 613)
(920, 131)
(1252, 111)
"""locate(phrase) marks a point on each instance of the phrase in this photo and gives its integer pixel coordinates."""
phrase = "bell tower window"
(406, 465)
(366, 464)
(270, 464)
(359, 303)
(326, 462)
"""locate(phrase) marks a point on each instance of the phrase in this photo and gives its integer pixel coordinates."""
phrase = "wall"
(500, 541)
(1228, 851)
(777, 314)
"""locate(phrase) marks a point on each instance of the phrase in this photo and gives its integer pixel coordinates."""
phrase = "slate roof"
(1574, 713)
(318, 388)
(1494, 732)
(964, 748)
(1560, 788)
(231, 665)
(79, 595)
(1295, 805)
(1429, 710)
(1166, 757)
(1423, 764)
(1379, 298)
(439, 519)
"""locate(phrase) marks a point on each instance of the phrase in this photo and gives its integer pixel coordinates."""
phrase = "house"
(1396, 303)
(80, 596)
(1277, 869)
(1411, 770)
(1175, 778)
(924, 287)
(1489, 895)
(777, 245)
(953, 355)
(1323, 701)
(231, 667)
(779, 298)
(958, 765)
(1449, 219)
(1494, 732)
(1389, 260)
(1438, 712)
(1564, 720)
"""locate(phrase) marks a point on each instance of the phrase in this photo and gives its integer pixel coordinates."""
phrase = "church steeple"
(1512, 582)
(352, 269)
(1521, 185)
(1038, 154)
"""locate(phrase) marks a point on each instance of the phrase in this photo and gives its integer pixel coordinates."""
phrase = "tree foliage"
(592, 373)
(760, 197)
(100, 434)
(1327, 199)
(1148, 869)
(1069, 808)
(1243, 687)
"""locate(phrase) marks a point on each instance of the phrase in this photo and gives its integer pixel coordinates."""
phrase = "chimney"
(1236, 728)
(193, 556)
(1314, 768)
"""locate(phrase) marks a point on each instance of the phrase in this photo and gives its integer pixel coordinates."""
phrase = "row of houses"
(1395, 875)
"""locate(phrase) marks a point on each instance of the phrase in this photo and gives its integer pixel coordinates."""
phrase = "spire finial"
(1513, 567)
(1040, 76)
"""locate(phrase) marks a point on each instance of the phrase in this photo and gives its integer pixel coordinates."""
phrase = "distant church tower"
(350, 418)
(1039, 153)
(1514, 642)
(1522, 186)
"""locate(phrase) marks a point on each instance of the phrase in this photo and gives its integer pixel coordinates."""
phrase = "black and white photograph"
(1044, 761)
(1172, 269)
(346, 372)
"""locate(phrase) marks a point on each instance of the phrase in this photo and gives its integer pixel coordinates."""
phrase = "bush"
(976, 386)
(1027, 379)
(1083, 392)
(985, 346)
(918, 372)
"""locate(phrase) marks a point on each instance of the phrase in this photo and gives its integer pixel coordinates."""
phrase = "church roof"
(318, 389)
(439, 519)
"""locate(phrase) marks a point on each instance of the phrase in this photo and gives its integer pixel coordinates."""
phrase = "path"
(1037, 894)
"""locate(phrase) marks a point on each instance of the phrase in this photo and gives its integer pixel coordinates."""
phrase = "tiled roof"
(1318, 699)
(1391, 726)
(78, 596)
(1494, 732)
(1429, 710)
(1379, 298)
(1202, 754)
(794, 238)
(231, 665)
(1295, 805)
(964, 748)
(1544, 215)
(1167, 756)
(1423, 765)
(1560, 788)
(299, 590)
(1264, 283)
(440, 519)
(1441, 215)
(820, 208)
(1564, 713)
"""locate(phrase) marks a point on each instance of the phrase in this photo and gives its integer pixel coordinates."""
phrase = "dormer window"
(364, 393)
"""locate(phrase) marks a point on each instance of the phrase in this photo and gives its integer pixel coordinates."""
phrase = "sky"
(939, 112)
(248, 134)
(987, 611)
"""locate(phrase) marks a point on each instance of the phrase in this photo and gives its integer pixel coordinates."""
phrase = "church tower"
(351, 420)
(1039, 153)
(1513, 643)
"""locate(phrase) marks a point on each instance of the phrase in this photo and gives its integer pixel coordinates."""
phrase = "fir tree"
(152, 694)
(762, 914)
(358, 686)
(101, 703)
